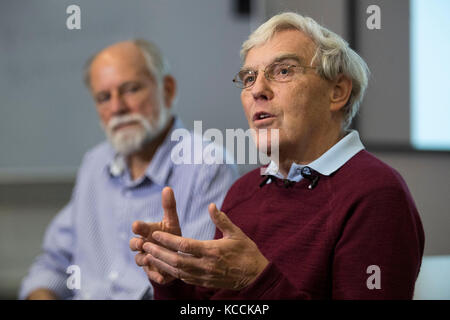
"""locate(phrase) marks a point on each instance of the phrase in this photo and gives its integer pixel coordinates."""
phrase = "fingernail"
(156, 235)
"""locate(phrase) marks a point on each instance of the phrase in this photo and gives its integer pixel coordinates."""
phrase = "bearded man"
(121, 180)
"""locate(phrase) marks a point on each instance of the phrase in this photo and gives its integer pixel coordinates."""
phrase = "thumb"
(222, 222)
(169, 206)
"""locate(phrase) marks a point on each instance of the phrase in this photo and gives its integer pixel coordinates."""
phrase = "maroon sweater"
(321, 241)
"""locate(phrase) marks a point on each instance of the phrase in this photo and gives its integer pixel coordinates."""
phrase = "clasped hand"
(232, 262)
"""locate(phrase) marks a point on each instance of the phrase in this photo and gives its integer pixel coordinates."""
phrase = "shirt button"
(113, 275)
(127, 193)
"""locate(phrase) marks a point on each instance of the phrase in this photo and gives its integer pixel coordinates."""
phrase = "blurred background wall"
(48, 119)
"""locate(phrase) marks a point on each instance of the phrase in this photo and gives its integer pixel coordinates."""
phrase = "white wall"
(428, 178)
(48, 118)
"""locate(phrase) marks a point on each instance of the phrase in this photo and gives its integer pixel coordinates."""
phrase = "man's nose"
(118, 104)
(261, 89)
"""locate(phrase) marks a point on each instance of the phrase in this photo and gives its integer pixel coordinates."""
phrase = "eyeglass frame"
(266, 75)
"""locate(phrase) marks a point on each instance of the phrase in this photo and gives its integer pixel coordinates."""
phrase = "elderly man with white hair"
(85, 251)
(327, 220)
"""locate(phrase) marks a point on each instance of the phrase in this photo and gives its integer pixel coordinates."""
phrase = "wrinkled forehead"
(123, 56)
(290, 43)
(113, 69)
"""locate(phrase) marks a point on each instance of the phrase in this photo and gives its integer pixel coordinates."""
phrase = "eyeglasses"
(280, 72)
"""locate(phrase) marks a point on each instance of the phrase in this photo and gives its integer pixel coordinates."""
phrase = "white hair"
(333, 54)
(156, 63)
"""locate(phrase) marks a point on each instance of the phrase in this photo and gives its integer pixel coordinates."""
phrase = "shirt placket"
(124, 207)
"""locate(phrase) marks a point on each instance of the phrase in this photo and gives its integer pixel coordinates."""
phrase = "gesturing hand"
(168, 224)
(232, 262)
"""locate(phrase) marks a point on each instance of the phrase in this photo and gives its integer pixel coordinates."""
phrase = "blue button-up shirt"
(94, 229)
(327, 163)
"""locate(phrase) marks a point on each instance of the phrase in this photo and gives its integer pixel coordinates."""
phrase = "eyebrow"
(283, 57)
(129, 83)
(122, 85)
(288, 56)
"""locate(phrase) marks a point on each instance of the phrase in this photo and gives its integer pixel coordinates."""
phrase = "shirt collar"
(326, 164)
(159, 168)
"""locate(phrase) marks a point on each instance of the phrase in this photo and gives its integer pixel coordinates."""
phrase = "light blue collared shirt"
(327, 163)
(94, 229)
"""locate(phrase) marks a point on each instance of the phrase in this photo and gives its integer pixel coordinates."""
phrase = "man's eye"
(248, 79)
(282, 71)
(102, 98)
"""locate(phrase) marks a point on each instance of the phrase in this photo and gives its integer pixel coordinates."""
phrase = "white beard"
(129, 140)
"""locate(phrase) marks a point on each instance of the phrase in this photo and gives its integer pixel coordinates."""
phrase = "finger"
(175, 259)
(177, 243)
(136, 244)
(169, 206)
(166, 268)
(145, 229)
(157, 275)
(154, 275)
(222, 222)
(140, 259)
(142, 228)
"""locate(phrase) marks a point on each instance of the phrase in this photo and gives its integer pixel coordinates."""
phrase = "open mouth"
(260, 117)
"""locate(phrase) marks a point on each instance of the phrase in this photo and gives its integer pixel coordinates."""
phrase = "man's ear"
(169, 90)
(340, 93)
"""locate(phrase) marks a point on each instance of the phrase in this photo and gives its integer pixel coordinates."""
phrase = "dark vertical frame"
(352, 31)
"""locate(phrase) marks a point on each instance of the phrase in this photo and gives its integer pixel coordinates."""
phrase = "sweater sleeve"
(270, 285)
(378, 253)
(175, 290)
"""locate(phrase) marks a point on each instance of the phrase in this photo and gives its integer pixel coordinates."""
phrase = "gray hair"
(156, 63)
(333, 54)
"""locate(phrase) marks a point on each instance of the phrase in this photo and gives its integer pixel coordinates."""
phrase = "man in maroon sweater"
(327, 220)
